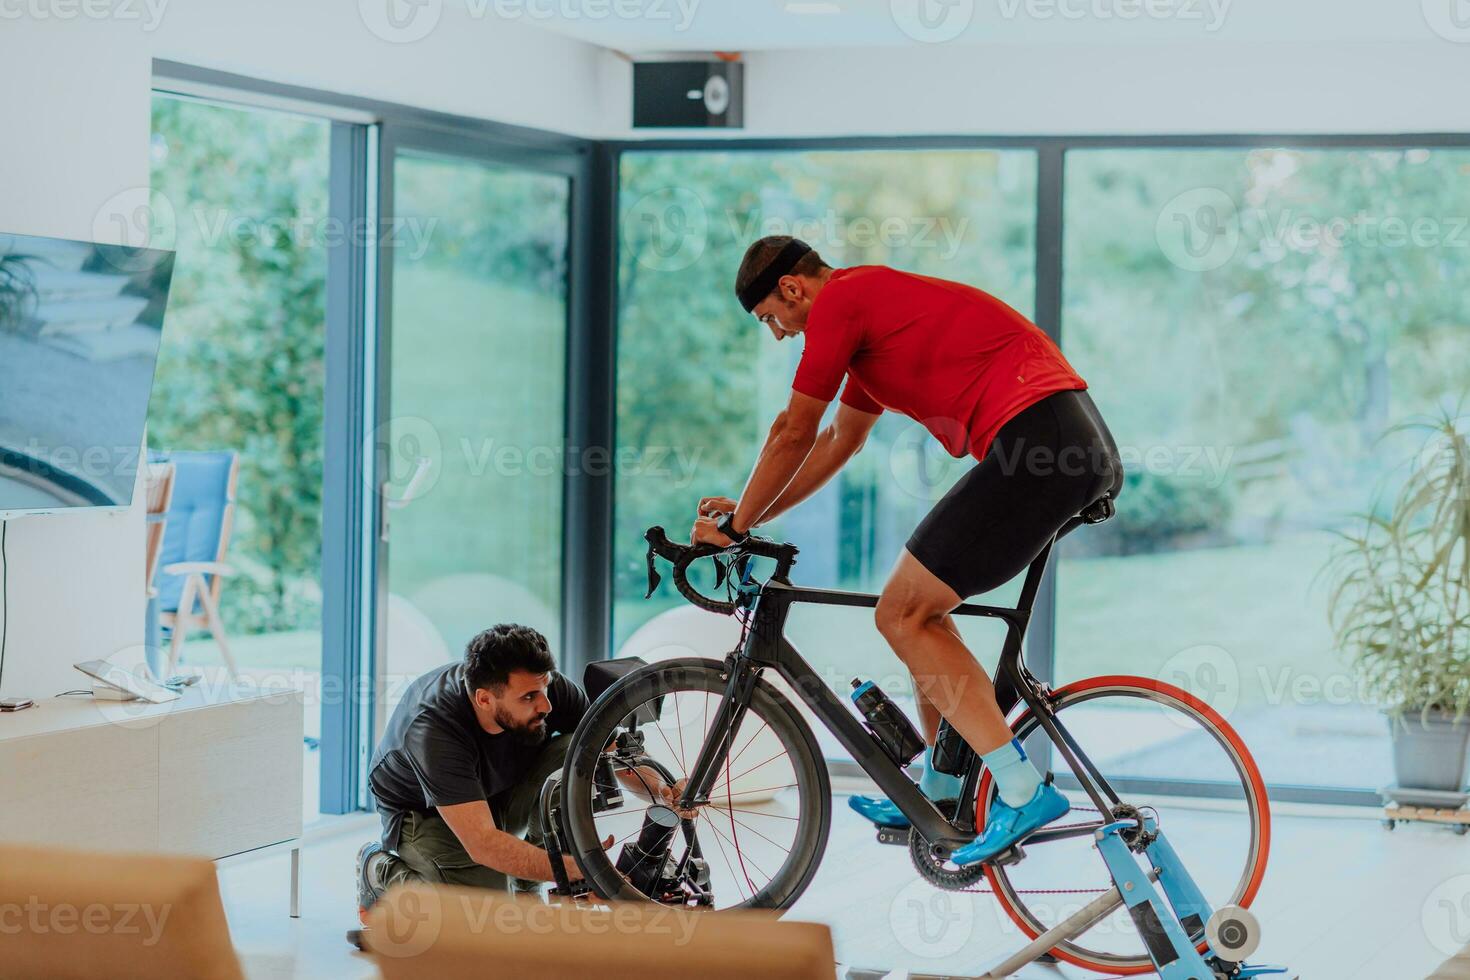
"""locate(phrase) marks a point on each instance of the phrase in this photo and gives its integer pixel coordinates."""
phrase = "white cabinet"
(215, 773)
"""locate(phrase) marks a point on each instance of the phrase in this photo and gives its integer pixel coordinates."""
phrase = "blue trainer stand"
(1164, 922)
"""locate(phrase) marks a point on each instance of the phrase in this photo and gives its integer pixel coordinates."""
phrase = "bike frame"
(767, 647)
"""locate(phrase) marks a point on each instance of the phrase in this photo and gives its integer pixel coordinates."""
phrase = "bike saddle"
(1098, 511)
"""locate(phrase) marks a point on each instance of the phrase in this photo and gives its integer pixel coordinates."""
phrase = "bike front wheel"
(1219, 822)
(763, 831)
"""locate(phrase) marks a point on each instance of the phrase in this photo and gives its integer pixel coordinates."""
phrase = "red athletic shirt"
(950, 356)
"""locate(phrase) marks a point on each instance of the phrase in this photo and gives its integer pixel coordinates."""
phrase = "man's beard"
(530, 734)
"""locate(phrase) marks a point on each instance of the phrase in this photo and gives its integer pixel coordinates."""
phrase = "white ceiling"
(648, 26)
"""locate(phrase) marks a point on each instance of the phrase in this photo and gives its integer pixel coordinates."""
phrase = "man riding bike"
(983, 380)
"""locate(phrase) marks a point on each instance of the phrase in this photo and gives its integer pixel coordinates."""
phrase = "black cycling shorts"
(1046, 465)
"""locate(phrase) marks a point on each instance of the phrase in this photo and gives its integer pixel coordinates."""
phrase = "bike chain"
(977, 890)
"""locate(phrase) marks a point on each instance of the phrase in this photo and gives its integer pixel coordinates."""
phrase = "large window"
(1253, 324)
(242, 194)
(478, 361)
(699, 381)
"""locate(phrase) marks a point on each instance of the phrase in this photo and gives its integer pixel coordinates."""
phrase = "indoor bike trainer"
(1184, 937)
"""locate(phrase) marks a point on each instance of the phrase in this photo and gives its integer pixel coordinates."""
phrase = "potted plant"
(1400, 610)
(17, 289)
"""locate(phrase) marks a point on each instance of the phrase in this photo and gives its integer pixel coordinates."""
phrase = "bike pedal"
(893, 835)
(1011, 855)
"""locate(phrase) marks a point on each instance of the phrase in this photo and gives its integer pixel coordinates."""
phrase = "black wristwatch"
(726, 526)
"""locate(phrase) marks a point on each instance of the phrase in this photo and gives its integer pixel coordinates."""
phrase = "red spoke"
(765, 789)
(679, 719)
(738, 852)
(730, 779)
(660, 730)
(748, 742)
(725, 854)
(759, 813)
(784, 850)
(735, 835)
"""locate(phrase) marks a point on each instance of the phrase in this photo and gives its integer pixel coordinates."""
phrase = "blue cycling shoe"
(1006, 826)
(887, 816)
(881, 810)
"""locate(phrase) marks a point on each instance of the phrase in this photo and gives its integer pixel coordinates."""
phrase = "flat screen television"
(80, 325)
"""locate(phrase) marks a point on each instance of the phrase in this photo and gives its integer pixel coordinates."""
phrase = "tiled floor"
(1343, 899)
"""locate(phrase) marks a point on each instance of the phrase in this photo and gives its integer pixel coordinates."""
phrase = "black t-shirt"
(434, 752)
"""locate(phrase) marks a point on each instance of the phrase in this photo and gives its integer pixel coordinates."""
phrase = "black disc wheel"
(762, 830)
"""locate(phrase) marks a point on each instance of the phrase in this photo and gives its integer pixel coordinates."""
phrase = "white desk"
(216, 773)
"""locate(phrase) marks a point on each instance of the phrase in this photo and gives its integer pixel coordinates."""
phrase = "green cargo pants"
(429, 850)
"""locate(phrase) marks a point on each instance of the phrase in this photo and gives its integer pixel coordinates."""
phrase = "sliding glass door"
(243, 195)
(473, 382)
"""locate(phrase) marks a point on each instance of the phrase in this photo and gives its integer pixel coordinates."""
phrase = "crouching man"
(460, 768)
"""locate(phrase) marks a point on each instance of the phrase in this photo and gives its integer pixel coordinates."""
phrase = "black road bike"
(737, 737)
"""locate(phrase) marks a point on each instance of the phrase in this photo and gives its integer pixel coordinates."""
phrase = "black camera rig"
(648, 861)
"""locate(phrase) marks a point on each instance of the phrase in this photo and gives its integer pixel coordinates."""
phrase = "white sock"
(938, 785)
(1015, 777)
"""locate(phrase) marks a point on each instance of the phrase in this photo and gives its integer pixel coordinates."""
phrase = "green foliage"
(1317, 319)
(1400, 599)
(16, 288)
(697, 376)
(242, 360)
(480, 302)
(1162, 512)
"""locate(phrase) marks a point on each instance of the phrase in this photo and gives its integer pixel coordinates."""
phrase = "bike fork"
(741, 676)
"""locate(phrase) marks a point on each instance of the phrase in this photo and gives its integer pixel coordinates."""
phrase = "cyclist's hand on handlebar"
(705, 532)
(710, 506)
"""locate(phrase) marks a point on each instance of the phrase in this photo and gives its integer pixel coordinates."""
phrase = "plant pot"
(1429, 752)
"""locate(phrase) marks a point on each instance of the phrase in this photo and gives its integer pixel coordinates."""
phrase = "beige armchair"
(76, 915)
(420, 932)
(1456, 967)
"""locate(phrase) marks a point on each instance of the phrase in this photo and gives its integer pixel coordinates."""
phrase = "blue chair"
(158, 480)
(196, 536)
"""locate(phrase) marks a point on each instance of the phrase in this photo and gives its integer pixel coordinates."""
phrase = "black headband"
(760, 287)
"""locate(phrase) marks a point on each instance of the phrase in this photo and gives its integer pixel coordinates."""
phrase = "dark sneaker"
(367, 877)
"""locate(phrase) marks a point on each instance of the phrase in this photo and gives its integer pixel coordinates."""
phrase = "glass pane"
(699, 381)
(1253, 325)
(242, 196)
(478, 385)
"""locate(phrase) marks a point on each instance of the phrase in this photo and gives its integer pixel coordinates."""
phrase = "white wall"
(1360, 86)
(481, 66)
(68, 143)
(1203, 87)
(74, 132)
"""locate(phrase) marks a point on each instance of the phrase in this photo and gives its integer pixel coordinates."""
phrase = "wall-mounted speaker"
(689, 94)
